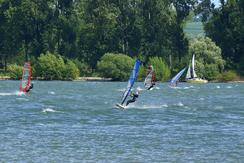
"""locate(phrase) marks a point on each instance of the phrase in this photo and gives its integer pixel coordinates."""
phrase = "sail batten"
(131, 80)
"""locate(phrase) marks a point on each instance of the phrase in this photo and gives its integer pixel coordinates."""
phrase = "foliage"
(229, 75)
(226, 28)
(50, 67)
(86, 30)
(116, 66)
(209, 62)
(70, 71)
(161, 68)
(84, 68)
(15, 71)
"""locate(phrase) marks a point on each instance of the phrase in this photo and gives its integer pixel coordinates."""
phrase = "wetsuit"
(134, 97)
(29, 88)
(151, 86)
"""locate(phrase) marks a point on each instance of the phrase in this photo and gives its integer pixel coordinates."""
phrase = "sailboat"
(173, 81)
(149, 80)
(191, 76)
(25, 81)
(130, 84)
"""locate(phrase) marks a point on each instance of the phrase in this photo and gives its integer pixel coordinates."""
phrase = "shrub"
(161, 68)
(50, 67)
(15, 71)
(116, 66)
(83, 67)
(70, 71)
(228, 76)
(209, 62)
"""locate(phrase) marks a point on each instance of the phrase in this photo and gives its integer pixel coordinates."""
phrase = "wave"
(121, 90)
(179, 104)
(134, 106)
(51, 93)
(218, 86)
(50, 110)
(16, 93)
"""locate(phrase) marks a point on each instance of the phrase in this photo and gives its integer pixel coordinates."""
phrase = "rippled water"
(77, 122)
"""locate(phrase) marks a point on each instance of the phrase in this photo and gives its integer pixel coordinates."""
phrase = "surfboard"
(120, 106)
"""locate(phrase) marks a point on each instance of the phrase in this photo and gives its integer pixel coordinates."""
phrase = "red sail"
(26, 77)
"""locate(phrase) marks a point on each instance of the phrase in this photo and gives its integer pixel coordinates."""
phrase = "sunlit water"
(77, 122)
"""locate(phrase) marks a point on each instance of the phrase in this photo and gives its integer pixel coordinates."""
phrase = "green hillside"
(194, 29)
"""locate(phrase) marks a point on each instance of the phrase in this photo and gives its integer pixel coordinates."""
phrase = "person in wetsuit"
(153, 83)
(134, 97)
(29, 88)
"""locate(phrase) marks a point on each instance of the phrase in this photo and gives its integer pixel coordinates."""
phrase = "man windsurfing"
(30, 87)
(134, 97)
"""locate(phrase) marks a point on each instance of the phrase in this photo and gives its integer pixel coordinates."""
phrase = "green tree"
(50, 67)
(226, 28)
(70, 71)
(209, 61)
(115, 66)
(162, 71)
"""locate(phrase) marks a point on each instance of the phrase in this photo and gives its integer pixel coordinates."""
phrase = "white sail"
(188, 74)
(193, 67)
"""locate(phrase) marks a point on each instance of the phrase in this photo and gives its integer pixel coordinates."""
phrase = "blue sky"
(216, 2)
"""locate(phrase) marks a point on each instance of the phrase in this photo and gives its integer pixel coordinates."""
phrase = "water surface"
(77, 122)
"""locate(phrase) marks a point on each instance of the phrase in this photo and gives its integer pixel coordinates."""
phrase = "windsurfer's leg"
(130, 101)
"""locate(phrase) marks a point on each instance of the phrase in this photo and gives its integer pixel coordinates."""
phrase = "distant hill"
(193, 29)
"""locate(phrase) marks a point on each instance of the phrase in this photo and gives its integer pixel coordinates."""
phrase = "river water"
(77, 122)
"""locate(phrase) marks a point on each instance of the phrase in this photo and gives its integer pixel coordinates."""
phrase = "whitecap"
(140, 89)
(50, 110)
(121, 90)
(218, 86)
(229, 87)
(17, 93)
(51, 93)
(179, 104)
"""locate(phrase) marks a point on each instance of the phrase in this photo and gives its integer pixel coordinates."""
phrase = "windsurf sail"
(176, 77)
(193, 67)
(131, 80)
(26, 77)
(150, 77)
(188, 74)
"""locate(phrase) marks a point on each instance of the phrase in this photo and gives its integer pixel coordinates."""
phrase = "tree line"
(84, 30)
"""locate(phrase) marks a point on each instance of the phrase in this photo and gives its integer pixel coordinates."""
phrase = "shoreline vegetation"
(102, 79)
(103, 39)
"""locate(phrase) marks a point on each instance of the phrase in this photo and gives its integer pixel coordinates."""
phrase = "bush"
(71, 71)
(142, 73)
(115, 66)
(209, 62)
(161, 68)
(15, 71)
(50, 67)
(83, 67)
(228, 76)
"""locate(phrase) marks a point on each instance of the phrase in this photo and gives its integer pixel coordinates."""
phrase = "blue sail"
(176, 77)
(131, 80)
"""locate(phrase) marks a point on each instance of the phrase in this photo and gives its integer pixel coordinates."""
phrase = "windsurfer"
(134, 97)
(30, 87)
(152, 85)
